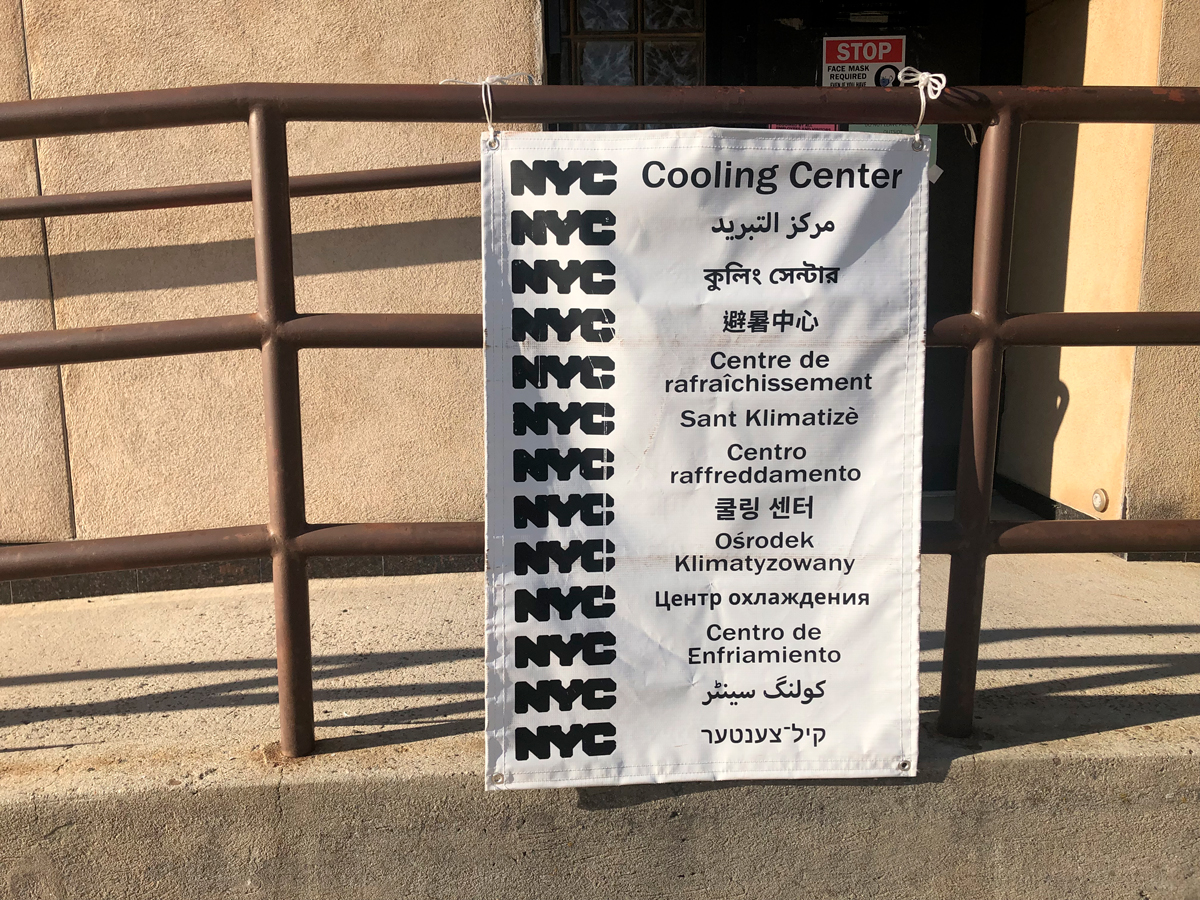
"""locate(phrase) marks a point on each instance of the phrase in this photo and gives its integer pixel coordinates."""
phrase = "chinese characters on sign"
(704, 382)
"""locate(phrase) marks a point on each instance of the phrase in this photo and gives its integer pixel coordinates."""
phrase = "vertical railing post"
(281, 400)
(981, 410)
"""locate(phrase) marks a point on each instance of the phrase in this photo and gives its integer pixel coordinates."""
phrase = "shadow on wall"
(225, 262)
(1035, 399)
(1033, 404)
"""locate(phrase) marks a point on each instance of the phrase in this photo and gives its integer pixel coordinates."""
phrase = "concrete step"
(137, 759)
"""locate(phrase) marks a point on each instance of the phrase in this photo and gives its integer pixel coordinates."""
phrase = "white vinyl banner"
(704, 355)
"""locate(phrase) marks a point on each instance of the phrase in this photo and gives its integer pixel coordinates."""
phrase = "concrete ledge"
(1007, 828)
(137, 760)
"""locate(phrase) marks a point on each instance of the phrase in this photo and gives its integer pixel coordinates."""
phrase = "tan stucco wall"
(1163, 472)
(1078, 246)
(394, 435)
(34, 495)
(159, 445)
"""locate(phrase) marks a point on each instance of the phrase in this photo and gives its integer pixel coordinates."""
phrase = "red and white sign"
(862, 61)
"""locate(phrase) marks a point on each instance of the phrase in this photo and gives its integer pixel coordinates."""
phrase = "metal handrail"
(279, 331)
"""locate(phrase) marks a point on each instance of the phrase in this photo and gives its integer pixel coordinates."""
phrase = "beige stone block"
(34, 491)
(14, 76)
(414, 251)
(166, 444)
(192, 428)
(95, 46)
(1163, 477)
(404, 444)
(1163, 473)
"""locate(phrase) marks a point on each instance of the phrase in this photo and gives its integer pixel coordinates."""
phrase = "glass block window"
(626, 42)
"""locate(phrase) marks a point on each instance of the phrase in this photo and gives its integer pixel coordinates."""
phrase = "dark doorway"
(779, 42)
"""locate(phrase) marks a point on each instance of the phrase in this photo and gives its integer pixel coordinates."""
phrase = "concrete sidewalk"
(137, 759)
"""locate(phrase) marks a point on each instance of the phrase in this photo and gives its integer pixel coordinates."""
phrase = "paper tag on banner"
(704, 360)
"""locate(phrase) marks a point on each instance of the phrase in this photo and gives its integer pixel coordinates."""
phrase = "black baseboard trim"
(1038, 504)
(1043, 506)
(1173, 556)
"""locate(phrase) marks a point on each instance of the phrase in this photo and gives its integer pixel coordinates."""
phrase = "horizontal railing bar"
(1118, 536)
(222, 333)
(465, 330)
(145, 339)
(1074, 329)
(439, 538)
(955, 331)
(235, 191)
(124, 201)
(753, 105)
(134, 552)
(1155, 105)
(218, 544)
(398, 538)
(385, 330)
(561, 103)
(384, 179)
(1102, 329)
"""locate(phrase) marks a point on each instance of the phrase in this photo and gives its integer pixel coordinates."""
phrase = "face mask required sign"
(704, 354)
(862, 61)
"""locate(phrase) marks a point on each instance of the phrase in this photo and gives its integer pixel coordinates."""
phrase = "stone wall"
(1163, 472)
(177, 443)
(167, 444)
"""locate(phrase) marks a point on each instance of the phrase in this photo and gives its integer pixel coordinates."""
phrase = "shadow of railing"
(257, 688)
(1033, 710)
(395, 245)
(1024, 710)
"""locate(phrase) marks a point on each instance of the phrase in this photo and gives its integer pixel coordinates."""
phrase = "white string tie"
(485, 88)
(928, 84)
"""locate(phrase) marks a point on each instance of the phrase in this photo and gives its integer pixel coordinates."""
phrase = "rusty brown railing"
(280, 332)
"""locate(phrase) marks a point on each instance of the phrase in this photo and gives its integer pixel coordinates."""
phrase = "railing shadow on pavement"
(1024, 710)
